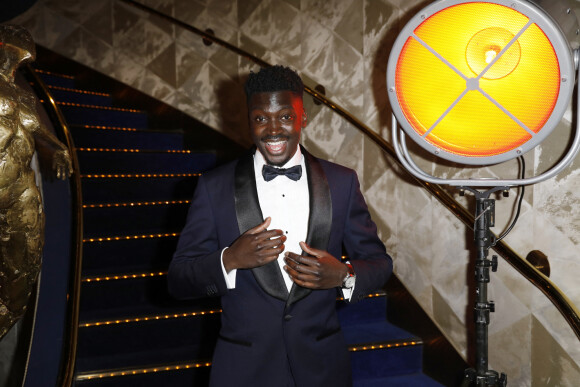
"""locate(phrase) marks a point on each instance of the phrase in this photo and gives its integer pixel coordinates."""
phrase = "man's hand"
(320, 270)
(256, 247)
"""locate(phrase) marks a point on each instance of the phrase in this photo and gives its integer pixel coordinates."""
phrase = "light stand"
(481, 376)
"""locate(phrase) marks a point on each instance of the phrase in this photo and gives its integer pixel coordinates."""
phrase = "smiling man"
(276, 120)
(266, 234)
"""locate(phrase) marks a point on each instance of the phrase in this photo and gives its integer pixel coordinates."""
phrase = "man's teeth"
(275, 146)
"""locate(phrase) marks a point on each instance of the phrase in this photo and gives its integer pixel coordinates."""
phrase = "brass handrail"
(543, 283)
(66, 372)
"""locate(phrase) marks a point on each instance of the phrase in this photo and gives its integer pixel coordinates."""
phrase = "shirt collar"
(260, 161)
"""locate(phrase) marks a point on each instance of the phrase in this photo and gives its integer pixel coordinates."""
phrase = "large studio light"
(481, 82)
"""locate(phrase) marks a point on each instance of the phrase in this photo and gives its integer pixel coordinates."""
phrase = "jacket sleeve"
(195, 270)
(372, 265)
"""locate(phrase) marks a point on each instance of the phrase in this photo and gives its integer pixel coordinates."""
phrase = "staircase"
(137, 181)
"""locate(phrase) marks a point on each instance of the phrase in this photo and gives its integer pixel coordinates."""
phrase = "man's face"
(276, 120)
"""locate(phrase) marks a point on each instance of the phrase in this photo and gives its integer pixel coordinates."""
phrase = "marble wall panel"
(448, 321)
(344, 45)
(558, 369)
(514, 359)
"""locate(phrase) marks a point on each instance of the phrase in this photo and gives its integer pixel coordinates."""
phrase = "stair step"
(54, 79)
(144, 139)
(147, 294)
(369, 309)
(370, 332)
(147, 342)
(383, 362)
(408, 380)
(128, 256)
(116, 162)
(138, 187)
(71, 95)
(103, 116)
(190, 374)
(134, 219)
(171, 310)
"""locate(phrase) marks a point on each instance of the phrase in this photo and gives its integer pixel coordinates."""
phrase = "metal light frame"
(567, 61)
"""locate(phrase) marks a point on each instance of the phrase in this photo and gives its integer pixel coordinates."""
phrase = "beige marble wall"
(344, 45)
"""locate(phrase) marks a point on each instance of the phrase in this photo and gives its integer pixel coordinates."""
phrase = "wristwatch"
(349, 280)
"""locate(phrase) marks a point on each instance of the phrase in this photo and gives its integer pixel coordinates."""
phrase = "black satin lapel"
(246, 196)
(249, 215)
(320, 218)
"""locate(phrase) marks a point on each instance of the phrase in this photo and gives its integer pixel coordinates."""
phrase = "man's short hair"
(274, 78)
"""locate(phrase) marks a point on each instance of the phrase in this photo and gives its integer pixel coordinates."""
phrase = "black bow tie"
(293, 173)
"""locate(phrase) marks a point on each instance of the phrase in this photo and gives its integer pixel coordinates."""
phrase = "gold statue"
(21, 212)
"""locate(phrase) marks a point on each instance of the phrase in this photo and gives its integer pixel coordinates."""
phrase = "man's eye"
(287, 117)
(259, 119)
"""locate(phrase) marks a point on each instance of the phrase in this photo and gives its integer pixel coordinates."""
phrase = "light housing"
(480, 82)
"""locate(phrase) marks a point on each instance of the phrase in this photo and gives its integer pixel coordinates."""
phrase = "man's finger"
(261, 227)
(272, 234)
(309, 249)
(300, 275)
(272, 243)
(300, 263)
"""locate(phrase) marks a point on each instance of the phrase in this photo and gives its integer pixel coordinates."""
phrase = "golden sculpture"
(21, 212)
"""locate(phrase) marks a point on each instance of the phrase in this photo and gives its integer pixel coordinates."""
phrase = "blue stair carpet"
(104, 116)
(100, 137)
(138, 187)
(65, 94)
(137, 182)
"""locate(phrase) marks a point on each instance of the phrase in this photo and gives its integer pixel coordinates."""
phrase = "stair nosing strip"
(136, 175)
(54, 74)
(130, 371)
(71, 104)
(386, 344)
(148, 318)
(121, 128)
(80, 91)
(134, 150)
(125, 276)
(136, 204)
(129, 237)
(103, 127)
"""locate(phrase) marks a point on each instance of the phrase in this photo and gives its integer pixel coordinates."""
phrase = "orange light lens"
(476, 90)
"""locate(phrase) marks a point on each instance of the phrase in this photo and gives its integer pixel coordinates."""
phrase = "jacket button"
(288, 317)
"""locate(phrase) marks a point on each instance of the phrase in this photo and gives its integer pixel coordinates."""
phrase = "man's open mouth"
(276, 146)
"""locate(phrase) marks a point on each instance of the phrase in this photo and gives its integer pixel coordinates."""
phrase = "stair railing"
(569, 311)
(66, 372)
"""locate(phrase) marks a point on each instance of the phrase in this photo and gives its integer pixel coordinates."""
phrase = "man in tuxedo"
(266, 233)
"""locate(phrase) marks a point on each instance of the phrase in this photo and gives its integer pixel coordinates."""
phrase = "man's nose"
(274, 127)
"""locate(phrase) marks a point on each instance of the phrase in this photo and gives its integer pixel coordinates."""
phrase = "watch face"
(349, 282)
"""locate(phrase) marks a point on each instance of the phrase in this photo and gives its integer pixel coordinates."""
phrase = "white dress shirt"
(287, 203)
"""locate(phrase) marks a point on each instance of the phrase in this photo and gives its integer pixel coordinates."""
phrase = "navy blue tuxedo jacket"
(269, 336)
